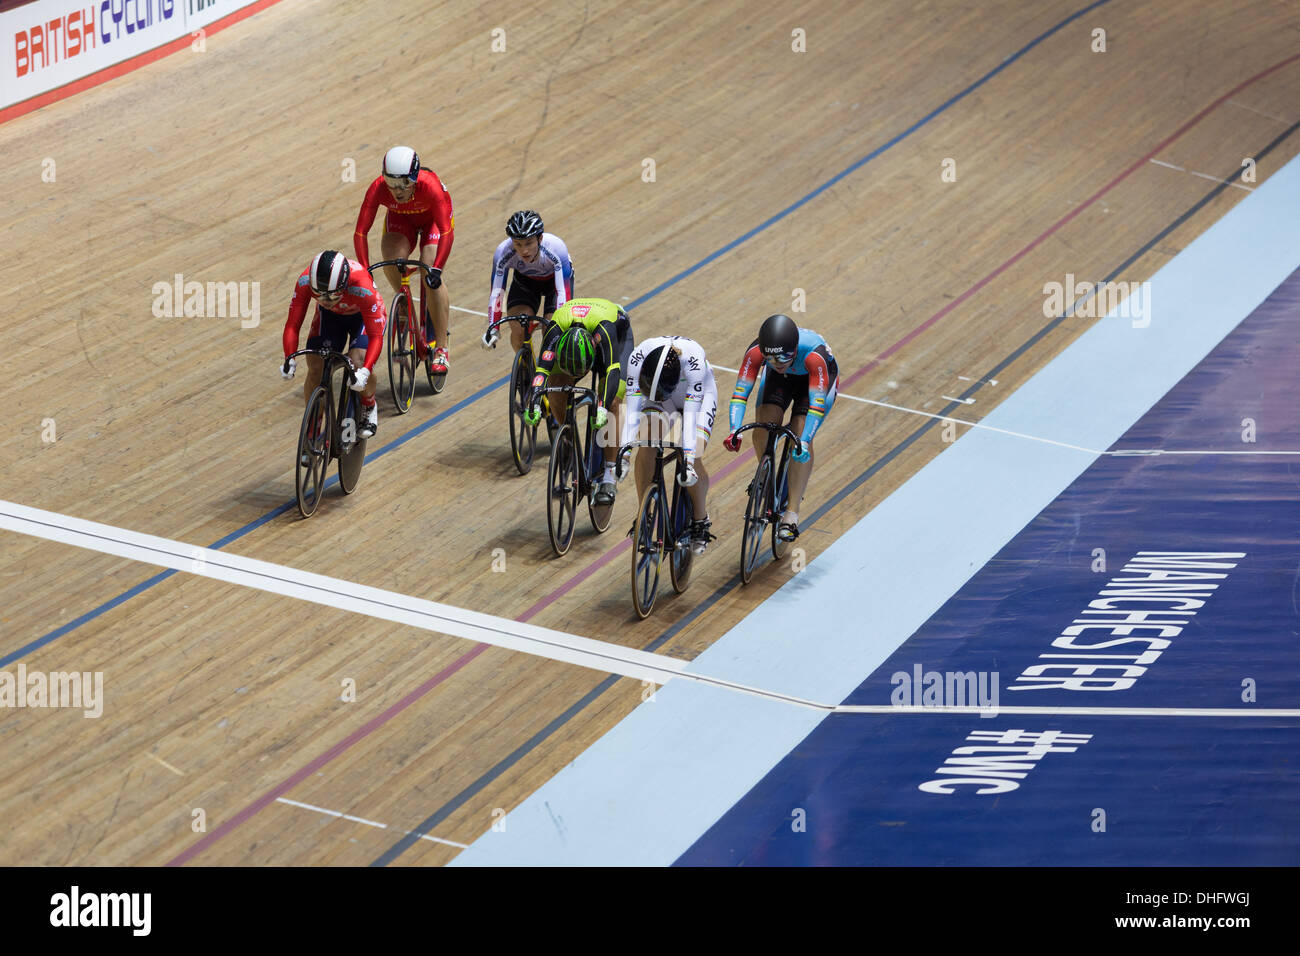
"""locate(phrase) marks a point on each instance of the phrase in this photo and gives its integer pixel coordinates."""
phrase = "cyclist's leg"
(559, 404)
(315, 366)
(623, 349)
(434, 303)
(522, 297)
(703, 429)
(396, 243)
(772, 400)
(644, 469)
(321, 335)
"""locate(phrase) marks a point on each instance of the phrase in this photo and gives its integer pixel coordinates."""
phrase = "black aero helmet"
(575, 352)
(660, 373)
(778, 338)
(329, 273)
(523, 224)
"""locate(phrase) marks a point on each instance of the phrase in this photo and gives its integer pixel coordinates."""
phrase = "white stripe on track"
(473, 625)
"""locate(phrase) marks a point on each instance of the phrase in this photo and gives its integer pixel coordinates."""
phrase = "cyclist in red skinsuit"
(348, 307)
(419, 218)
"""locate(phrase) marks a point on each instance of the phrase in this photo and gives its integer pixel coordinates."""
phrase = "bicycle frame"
(660, 528)
(339, 439)
(764, 491)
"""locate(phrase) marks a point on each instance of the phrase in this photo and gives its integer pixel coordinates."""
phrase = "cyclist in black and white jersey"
(670, 374)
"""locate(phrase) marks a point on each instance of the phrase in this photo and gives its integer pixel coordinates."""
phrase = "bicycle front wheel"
(683, 514)
(439, 379)
(647, 550)
(562, 490)
(523, 437)
(313, 456)
(601, 515)
(751, 542)
(780, 496)
(352, 447)
(401, 353)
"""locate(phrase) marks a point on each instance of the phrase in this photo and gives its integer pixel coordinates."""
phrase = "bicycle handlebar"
(523, 318)
(675, 451)
(403, 263)
(326, 353)
(773, 427)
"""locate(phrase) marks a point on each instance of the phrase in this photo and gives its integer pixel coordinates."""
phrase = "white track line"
(470, 311)
(1192, 172)
(1118, 453)
(1070, 711)
(1279, 119)
(373, 602)
(369, 823)
(471, 625)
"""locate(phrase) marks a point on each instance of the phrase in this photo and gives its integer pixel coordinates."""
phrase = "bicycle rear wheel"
(313, 457)
(683, 514)
(755, 519)
(647, 551)
(780, 496)
(401, 353)
(352, 448)
(562, 490)
(523, 437)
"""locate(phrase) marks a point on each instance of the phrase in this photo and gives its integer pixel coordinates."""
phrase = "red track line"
(608, 556)
(1065, 219)
(127, 66)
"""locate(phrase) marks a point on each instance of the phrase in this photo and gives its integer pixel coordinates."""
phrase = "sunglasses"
(400, 185)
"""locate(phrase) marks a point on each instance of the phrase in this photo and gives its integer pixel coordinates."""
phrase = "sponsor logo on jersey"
(693, 362)
(580, 311)
(548, 356)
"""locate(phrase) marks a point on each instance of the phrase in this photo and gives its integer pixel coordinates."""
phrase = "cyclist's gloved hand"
(362, 375)
(732, 442)
(803, 454)
(601, 417)
(490, 336)
(433, 278)
(534, 414)
(690, 477)
(287, 368)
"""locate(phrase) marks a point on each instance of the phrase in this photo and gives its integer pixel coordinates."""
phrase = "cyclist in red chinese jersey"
(419, 218)
(348, 307)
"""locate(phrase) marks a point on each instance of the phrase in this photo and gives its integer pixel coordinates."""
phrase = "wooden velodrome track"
(226, 165)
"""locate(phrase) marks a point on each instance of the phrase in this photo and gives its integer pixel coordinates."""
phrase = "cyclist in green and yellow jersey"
(587, 334)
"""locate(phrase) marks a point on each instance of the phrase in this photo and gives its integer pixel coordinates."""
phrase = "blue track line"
(276, 512)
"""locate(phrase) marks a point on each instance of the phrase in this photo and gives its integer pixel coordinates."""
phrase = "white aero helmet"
(400, 162)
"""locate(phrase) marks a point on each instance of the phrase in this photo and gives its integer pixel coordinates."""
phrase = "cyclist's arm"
(546, 360)
(691, 406)
(632, 399)
(444, 219)
(366, 219)
(563, 267)
(818, 386)
(297, 312)
(607, 359)
(750, 366)
(372, 314)
(497, 294)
